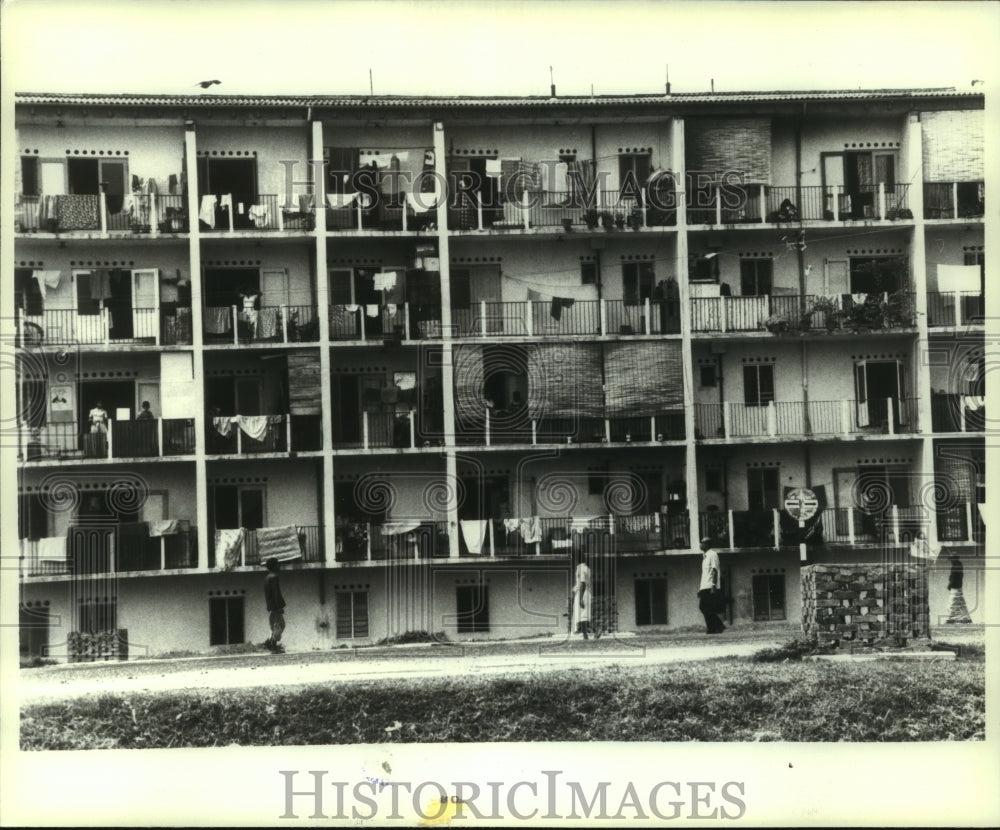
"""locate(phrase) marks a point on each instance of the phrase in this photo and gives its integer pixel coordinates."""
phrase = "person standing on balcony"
(146, 414)
(99, 419)
(710, 600)
(275, 607)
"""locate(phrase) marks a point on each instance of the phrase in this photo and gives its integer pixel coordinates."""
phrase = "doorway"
(229, 177)
(876, 383)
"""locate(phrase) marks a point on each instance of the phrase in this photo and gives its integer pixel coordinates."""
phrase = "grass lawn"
(717, 700)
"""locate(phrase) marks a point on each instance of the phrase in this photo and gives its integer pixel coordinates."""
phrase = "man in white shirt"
(710, 601)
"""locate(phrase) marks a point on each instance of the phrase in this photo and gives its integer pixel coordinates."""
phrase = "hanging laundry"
(398, 528)
(390, 309)
(164, 527)
(352, 308)
(534, 296)
(52, 549)
(281, 543)
(46, 279)
(218, 320)
(531, 530)
(340, 200)
(493, 167)
(422, 202)
(136, 183)
(371, 310)
(223, 425)
(207, 212)
(560, 177)
(253, 426)
(474, 533)
(258, 215)
(151, 186)
(100, 284)
(578, 524)
(385, 280)
(171, 183)
(229, 547)
(558, 304)
(226, 202)
(267, 323)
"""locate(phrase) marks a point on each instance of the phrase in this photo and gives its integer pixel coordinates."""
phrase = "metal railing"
(282, 433)
(492, 426)
(269, 324)
(954, 308)
(732, 419)
(954, 200)
(961, 523)
(129, 549)
(137, 326)
(958, 413)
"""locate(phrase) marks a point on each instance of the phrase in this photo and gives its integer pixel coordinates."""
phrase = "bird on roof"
(207, 84)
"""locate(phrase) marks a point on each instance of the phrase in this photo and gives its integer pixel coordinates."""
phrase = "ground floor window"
(33, 619)
(352, 615)
(651, 601)
(473, 606)
(769, 597)
(225, 621)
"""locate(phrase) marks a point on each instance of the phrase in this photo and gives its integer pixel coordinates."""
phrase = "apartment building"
(432, 353)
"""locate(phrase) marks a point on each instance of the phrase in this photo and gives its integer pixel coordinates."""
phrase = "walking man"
(710, 601)
(275, 607)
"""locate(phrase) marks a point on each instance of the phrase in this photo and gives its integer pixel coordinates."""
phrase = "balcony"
(408, 213)
(264, 212)
(255, 434)
(269, 324)
(954, 200)
(961, 523)
(146, 213)
(126, 548)
(958, 413)
(137, 327)
(379, 430)
(811, 314)
(596, 318)
(755, 203)
(256, 546)
(359, 540)
(498, 427)
(796, 419)
(153, 438)
(955, 308)
(362, 323)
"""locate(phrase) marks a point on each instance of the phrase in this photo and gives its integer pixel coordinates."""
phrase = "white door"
(53, 178)
(90, 317)
(146, 303)
(861, 391)
(833, 179)
(837, 277)
(274, 288)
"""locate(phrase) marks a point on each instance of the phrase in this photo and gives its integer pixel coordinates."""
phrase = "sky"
(479, 48)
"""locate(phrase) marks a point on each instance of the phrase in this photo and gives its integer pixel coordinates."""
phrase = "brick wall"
(864, 603)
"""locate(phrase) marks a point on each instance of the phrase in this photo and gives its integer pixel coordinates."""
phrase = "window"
(879, 485)
(27, 294)
(597, 480)
(29, 176)
(588, 273)
(877, 274)
(33, 621)
(85, 304)
(707, 376)
(352, 615)
(472, 604)
(763, 485)
(755, 277)
(758, 384)
(637, 282)
(768, 596)
(651, 601)
(633, 173)
(97, 616)
(704, 268)
(225, 621)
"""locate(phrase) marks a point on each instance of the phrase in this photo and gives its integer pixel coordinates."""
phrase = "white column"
(881, 200)
(604, 316)
(232, 212)
(284, 324)
(731, 526)
(154, 215)
(111, 446)
(845, 417)
(234, 316)
(406, 320)
(894, 513)
(850, 525)
(727, 417)
(648, 326)
(772, 421)
(482, 318)
(364, 429)
(891, 415)
(487, 434)
(413, 431)
(968, 521)
(104, 214)
(777, 528)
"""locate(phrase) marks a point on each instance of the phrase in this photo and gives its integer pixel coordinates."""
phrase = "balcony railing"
(381, 322)
(794, 314)
(136, 326)
(958, 413)
(954, 308)
(377, 430)
(121, 549)
(248, 435)
(270, 324)
(356, 211)
(961, 523)
(502, 427)
(890, 416)
(149, 213)
(529, 318)
(954, 200)
(151, 438)
(252, 552)
(732, 204)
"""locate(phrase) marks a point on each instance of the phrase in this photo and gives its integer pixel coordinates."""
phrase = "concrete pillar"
(201, 415)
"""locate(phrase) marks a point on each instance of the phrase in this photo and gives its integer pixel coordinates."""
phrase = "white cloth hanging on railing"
(207, 211)
(531, 530)
(229, 547)
(474, 533)
(258, 215)
(973, 402)
(46, 279)
(253, 426)
(398, 528)
(52, 549)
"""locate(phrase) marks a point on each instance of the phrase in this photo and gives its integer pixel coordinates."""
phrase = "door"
(248, 396)
(347, 405)
(88, 325)
(111, 175)
(274, 288)
(837, 277)
(146, 304)
(148, 391)
(882, 378)
(53, 177)
(119, 306)
(843, 494)
(861, 392)
(836, 204)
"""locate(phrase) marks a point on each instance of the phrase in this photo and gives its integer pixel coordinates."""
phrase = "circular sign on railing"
(801, 503)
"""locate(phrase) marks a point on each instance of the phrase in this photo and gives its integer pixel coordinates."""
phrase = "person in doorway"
(146, 414)
(581, 600)
(710, 601)
(99, 419)
(275, 607)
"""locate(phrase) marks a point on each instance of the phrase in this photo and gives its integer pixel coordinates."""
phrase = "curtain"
(642, 379)
(564, 380)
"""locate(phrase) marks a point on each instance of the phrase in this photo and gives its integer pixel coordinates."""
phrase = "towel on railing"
(422, 202)
(973, 402)
(46, 279)
(258, 215)
(207, 211)
(165, 527)
(371, 310)
(229, 547)
(474, 532)
(218, 320)
(267, 323)
(253, 426)
(52, 549)
(223, 425)
(340, 200)
(281, 543)
(398, 528)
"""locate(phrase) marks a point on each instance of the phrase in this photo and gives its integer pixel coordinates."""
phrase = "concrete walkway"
(396, 663)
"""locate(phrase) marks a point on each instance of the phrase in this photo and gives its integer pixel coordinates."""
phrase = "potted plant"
(607, 220)
(567, 224)
(899, 309)
(620, 221)
(635, 219)
(829, 313)
(591, 218)
(777, 324)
